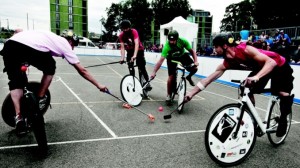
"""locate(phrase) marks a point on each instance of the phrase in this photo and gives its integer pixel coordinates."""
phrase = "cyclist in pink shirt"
(36, 48)
(264, 65)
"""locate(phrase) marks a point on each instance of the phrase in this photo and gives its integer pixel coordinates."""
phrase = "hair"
(125, 24)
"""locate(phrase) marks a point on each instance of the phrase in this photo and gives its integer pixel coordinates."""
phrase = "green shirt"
(181, 47)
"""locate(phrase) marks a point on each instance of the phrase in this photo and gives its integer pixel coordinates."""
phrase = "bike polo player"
(176, 49)
(37, 48)
(134, 49)
(264, 65)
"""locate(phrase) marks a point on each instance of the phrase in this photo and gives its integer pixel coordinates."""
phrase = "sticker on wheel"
(224, 128)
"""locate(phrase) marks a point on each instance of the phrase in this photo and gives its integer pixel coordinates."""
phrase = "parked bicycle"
(31, 113)
(232, 130)
(134, 89)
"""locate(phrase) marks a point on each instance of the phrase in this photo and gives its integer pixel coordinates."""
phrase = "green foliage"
(263, 13)
(141, 15)
(237, 16)
(271, 14)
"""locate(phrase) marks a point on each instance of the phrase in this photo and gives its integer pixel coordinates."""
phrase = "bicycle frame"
(245, 101)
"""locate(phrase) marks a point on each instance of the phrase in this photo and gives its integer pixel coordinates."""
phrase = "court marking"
(90, 110)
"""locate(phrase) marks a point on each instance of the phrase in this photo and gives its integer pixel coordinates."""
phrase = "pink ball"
(160, 109)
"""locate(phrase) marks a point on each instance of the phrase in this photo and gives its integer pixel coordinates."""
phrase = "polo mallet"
(128, 106)
(170, 115)
(102, 64)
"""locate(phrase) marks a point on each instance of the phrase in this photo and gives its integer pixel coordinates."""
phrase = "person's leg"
(44, 62)
(141, 62)
(282, 83)
(187, 62)
(171, 80)
(13, 58)
(129, 63)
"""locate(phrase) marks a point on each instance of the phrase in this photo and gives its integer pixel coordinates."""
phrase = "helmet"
(223, 38)
(173, 35)
(125, 24)
(70, 35)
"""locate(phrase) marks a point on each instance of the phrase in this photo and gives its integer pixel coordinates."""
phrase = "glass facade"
(69, 14)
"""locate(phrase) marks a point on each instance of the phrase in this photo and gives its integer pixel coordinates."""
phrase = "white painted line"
(110, 67)
(91, 111)
(104, 139)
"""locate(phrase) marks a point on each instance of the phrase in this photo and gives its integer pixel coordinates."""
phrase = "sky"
(34, 14)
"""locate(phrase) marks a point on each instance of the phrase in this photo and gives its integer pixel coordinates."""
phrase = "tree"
(167, 10)
(271, 14)
(238, 16)
(137, 11)
(140, 15)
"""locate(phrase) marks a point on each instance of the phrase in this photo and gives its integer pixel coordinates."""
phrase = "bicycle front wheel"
(221, 144)
(181, 90)
(37, 121)
(272, 124)
(131, 90)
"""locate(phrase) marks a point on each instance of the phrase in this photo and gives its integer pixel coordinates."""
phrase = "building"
(69, 14)
(204, 21)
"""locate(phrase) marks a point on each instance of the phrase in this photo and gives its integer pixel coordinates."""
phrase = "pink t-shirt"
(47, 42)
(241, 58)
(129, 37)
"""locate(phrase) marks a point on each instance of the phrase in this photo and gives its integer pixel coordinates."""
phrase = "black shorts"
(185, 60)
(281, 80)
(15, 54)
(140, 58)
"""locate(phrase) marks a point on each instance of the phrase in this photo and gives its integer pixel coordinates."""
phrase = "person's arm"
(202, 84)
(136, 49)
(193, 53)
(268, 63)
(156, 67)
(85, 74)
(122, 50)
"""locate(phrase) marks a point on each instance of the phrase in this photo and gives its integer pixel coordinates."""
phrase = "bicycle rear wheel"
(181, 90)
(131, 90)
(272, 124)
(8, 110)
(221, 145)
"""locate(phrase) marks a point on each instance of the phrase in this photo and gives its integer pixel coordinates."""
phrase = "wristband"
(200, 86)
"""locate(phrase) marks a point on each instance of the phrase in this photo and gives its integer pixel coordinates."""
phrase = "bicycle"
(231, 132)
(134, 89)
(179, 87)
(31, 113)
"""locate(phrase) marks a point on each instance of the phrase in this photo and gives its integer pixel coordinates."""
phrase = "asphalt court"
(88, 128)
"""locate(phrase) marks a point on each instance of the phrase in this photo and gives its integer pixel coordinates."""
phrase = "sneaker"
(42, 102)
(188, 78)
(20, 125)
(148, 87)
(282, 126)
(168, 100)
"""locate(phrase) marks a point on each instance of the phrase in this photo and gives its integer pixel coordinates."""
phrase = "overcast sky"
(14, 12)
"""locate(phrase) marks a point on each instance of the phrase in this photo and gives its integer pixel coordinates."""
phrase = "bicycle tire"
(8, 111)
(221, 147)
(131, 92)
(181, 90)
(143, 81)
(272, 122)
(37, 122)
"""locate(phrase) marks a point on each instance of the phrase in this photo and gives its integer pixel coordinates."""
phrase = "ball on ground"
(160, 109)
